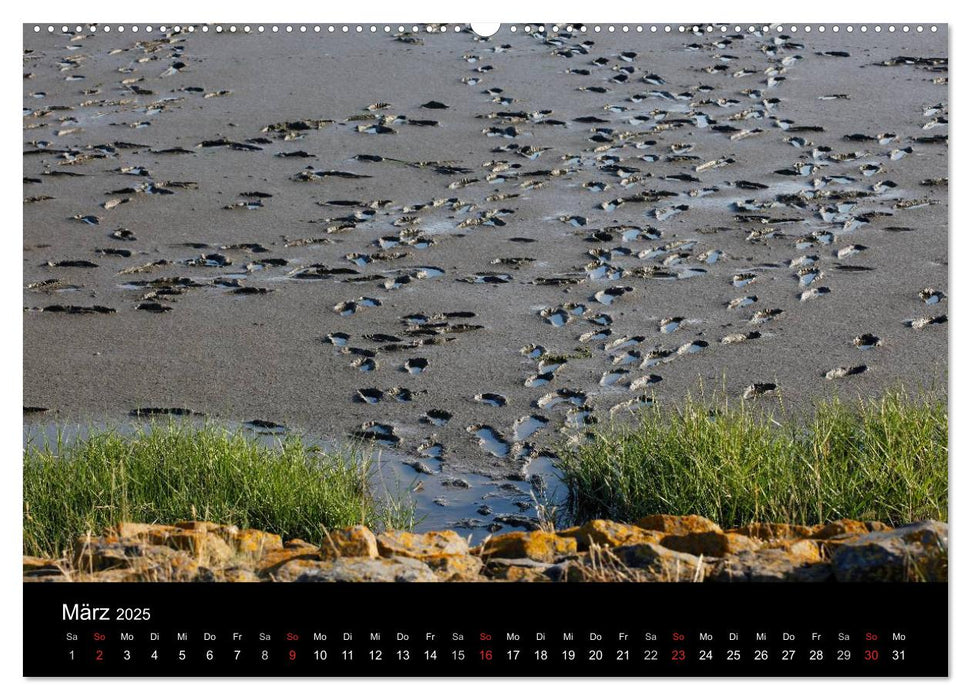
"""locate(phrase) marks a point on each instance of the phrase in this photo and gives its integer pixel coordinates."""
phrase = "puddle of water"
(489, 399)
(527, 426)
(604, 272)
(561, 396)
(629, 357)
(416, 365)
(437, 417)
(594, 336)
(490, 440)
(538, 380)
(807, 276)
(549, 366)
(692, 347)
(555, 317)
(369, 395)
(611, 294)
(578, 418)
(379, 433)
(670, 325)
(365, 364)
(612, 377)
(534, 351)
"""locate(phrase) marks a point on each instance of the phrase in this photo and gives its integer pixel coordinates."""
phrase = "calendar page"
(588, 328)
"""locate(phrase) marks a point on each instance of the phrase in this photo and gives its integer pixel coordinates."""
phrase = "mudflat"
(470, 250)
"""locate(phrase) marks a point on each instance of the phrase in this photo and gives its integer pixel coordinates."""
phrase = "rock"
(276, 558)
(610, 534)
(568, 571)
(37, 577)
(838, 528)
(179, 567)
(356, 541)
(515, 569)
(773, 531)
(255, 542)
(916, 552)
(145, 532)
(109, 576)
(677, 524)
(455, 567)
(207, 547)
(799, 561)
(237, 574)
(659, 548)
(419, 546)
(537, 545)
(710, 544)
(100, 553)
(39, 566)
(808, 551)
(211, 543)
(357, 569)
(661, 563)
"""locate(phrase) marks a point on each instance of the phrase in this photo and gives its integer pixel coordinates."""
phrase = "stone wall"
(656, 548)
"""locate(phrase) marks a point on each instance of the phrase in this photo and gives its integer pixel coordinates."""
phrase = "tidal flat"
(473, 254)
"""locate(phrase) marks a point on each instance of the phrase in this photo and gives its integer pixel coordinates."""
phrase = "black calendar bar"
(469, 629)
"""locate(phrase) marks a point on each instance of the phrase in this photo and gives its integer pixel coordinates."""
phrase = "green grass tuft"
(880, 459)
(169, 472)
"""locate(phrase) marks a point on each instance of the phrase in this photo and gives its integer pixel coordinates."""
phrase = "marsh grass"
(170, 471)
(879, 459)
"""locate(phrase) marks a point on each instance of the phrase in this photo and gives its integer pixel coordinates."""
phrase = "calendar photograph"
(631, 306)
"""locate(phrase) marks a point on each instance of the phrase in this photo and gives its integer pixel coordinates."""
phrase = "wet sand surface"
(470, 250)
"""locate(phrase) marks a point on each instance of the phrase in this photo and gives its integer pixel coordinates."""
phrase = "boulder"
(111, 576)
(916, 552)
(610, 534)
(797, 562)
(569, 571)
(501, 569)
(839, 528)
(678, 524)
(710, 544)
(179, 567)
(237, 574)
(419, 546)
(356, 541)
(254, 543)
(660, 563)
(39, 566)
(537, 545)
(455, 567)
(357, 569)
(207, 547)
(773, 531)
(808, 551)
(145, 532)
(276, 558)
(101, 553)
